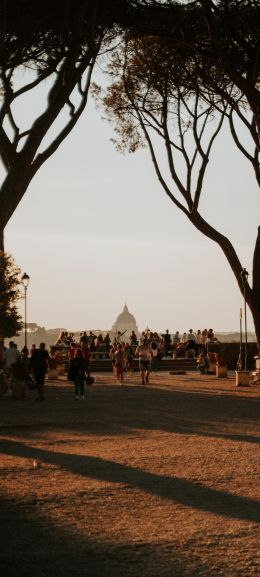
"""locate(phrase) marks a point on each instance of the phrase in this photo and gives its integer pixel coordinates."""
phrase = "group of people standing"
(95, 343)
(149, 348)
(31, 366)
(192, 343)
(25, 366)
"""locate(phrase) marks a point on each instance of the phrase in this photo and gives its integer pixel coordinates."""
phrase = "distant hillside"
(37, 334)
(235, 337)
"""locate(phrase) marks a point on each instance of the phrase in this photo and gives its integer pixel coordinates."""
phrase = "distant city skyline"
(37, 334)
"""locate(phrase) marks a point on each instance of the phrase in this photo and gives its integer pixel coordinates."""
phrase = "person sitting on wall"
(203, 364)
(180, 350)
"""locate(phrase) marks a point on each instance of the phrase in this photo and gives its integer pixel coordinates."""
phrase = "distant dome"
(125, 318)
(125, 323)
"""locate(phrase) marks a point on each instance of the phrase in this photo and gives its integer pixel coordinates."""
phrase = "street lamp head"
(25, 280)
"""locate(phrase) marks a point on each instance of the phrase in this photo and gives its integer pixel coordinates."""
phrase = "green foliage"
(10, 319)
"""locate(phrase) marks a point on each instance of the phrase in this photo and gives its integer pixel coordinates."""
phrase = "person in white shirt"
(191, 342)
(198, 342)
(154, 359)
(11, 355)
(145, 354)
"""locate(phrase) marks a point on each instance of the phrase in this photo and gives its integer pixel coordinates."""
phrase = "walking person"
(129, 357)
(80, 366)
(119, 360)
(112, 352)
(86, 355)
(10, 357)
(39, 364)
(145, 354)
(154, 359)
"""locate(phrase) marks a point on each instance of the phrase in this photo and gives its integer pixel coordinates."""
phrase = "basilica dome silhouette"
(125, 322)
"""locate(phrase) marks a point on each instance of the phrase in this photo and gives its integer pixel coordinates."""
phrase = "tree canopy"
(179, 63)
(10, 319)
(157, 94)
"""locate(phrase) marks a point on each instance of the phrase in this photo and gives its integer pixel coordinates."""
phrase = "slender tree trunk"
(1, 249)
(1, 238)
(11, 193)
(256, 318)
(13, 189)
(255, 306)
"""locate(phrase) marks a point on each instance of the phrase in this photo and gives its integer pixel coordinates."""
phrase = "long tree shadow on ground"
(176, 489)
(134, 408)
(33, 546)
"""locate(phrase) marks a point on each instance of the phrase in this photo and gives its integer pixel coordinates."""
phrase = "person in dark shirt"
(79, 367)
(167, 342)
(38, 365)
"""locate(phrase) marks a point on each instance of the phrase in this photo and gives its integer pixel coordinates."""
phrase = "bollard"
(242, 378)
(221, 371)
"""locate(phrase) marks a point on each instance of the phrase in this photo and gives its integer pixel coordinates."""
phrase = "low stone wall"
(228, 350)
(231, 353)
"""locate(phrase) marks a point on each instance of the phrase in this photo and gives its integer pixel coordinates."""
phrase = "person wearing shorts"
(144, 353)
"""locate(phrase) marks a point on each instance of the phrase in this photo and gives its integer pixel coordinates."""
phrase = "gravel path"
(159, 480)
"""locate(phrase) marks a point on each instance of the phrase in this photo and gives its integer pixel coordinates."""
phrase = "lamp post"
(25, 281)
(244, 277)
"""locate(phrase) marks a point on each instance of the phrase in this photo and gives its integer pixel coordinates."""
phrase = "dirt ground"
(159, 480)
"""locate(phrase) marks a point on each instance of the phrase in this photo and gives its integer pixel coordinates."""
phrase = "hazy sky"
(95, 231)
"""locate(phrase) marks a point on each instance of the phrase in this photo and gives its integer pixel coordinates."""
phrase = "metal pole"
(245, 330)
(239, 362)
(244, 277)
(25, 281)
(25, 317)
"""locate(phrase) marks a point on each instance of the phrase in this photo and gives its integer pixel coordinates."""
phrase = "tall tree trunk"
(256, 318)
(255, 305)
(1, 249)
(11, 193)
(1, 238)
(13, 189)
(251, 295)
